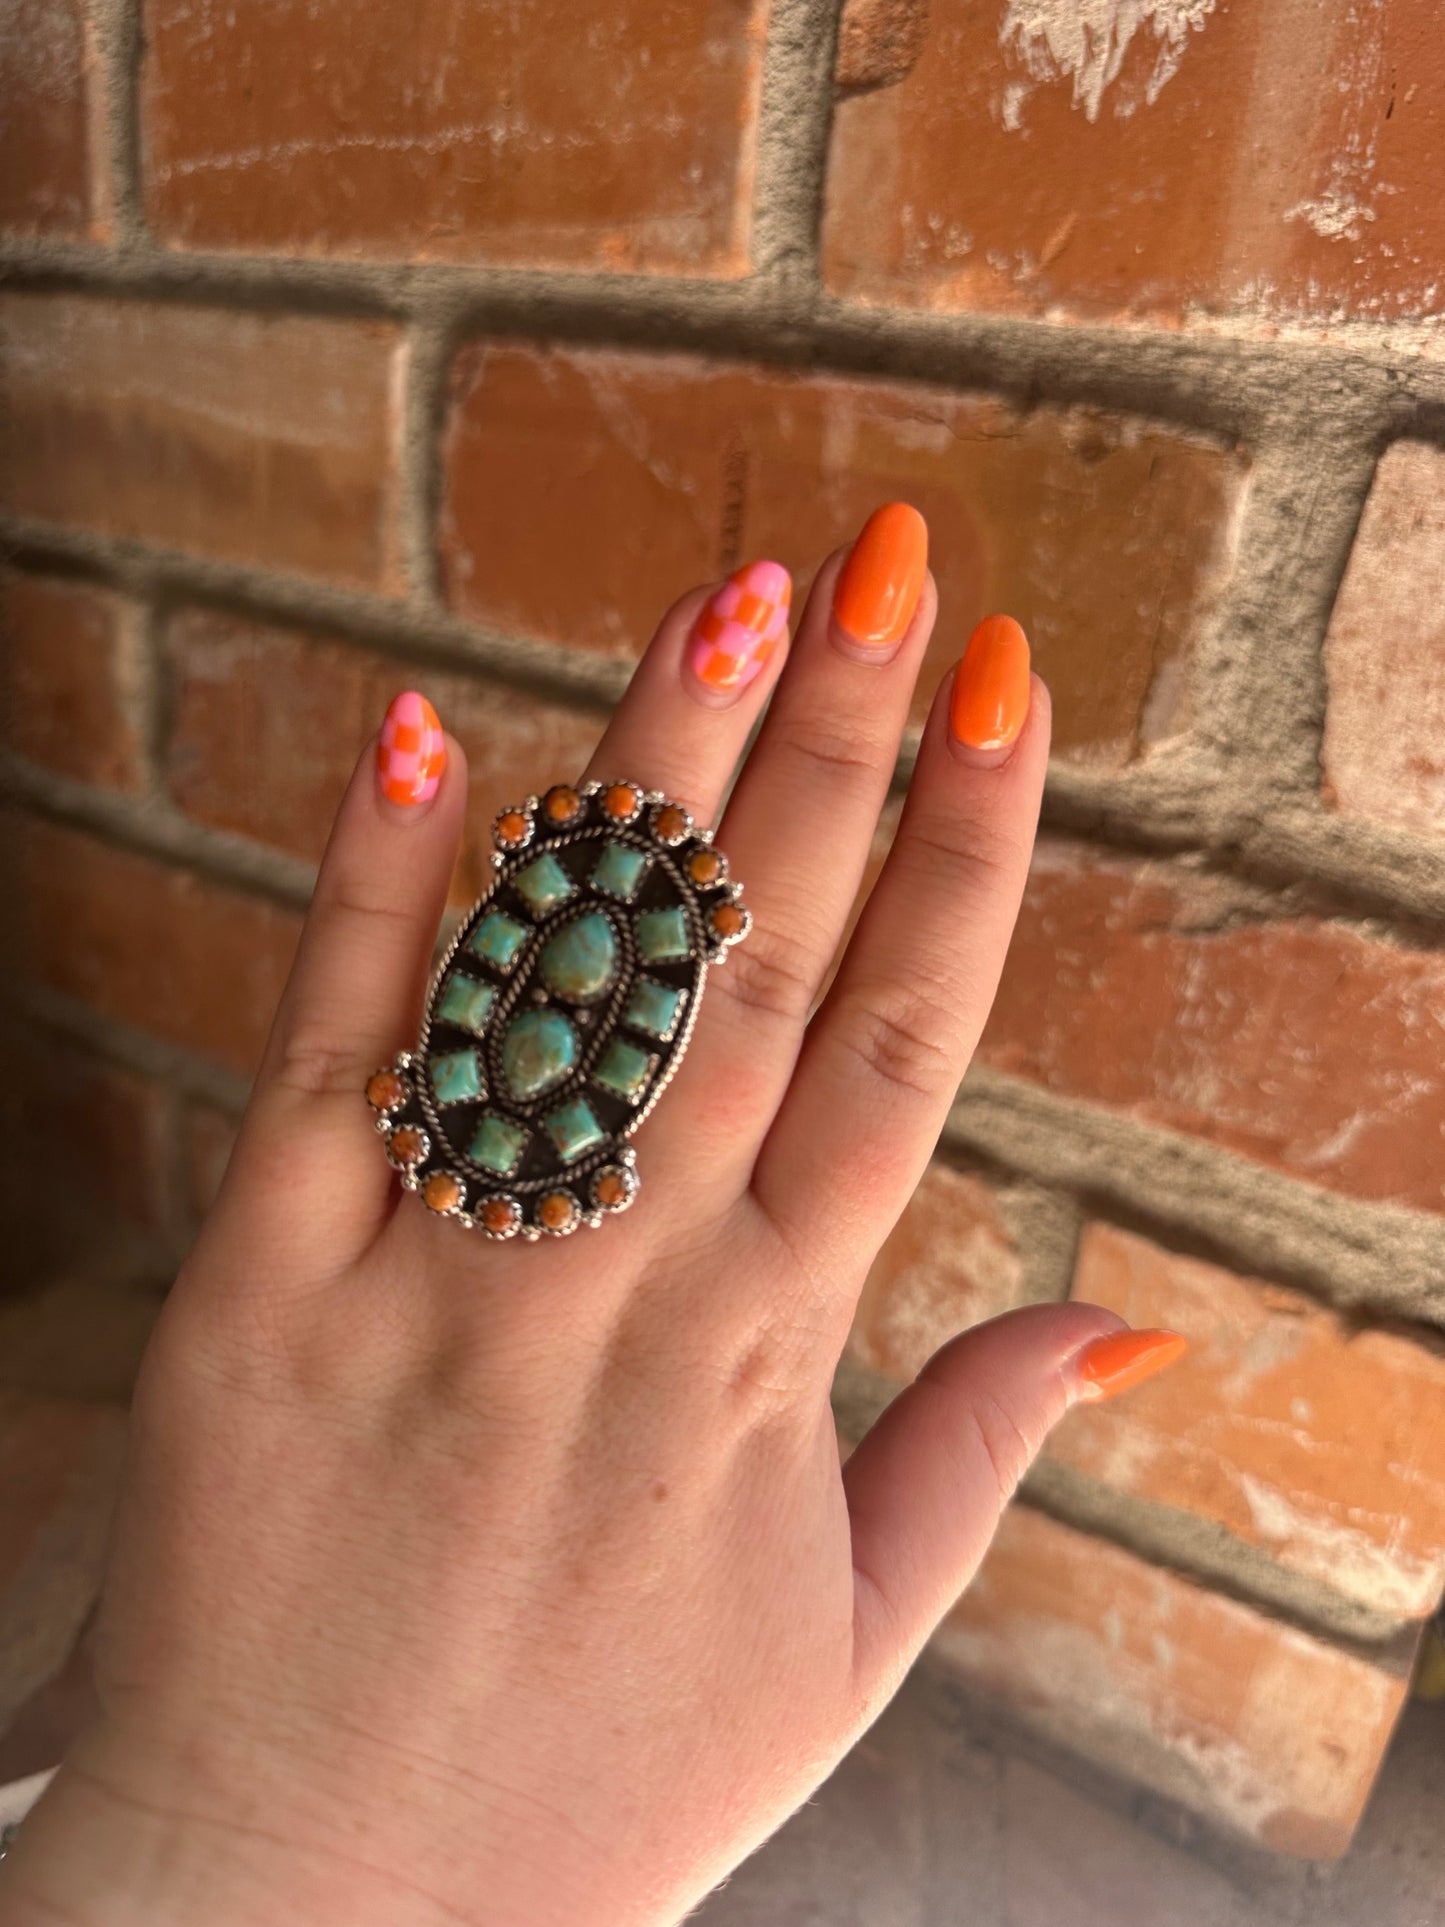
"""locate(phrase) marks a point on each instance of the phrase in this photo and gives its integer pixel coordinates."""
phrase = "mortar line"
(1223, 385)
(116, 1042)
(115, 86)
(795, 115)
(1354, 1255)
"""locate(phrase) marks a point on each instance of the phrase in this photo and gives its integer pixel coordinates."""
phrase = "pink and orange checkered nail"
(412, 752)
(736, 634)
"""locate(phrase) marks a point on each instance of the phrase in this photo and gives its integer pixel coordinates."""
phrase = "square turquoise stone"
(574, 1130)
(654, 1007)
(497, 939)
(544, 883)
(466, 1002)
(623, 1068)
(619, 870)
(498, 1145)
(457, 1075)
(662, 935)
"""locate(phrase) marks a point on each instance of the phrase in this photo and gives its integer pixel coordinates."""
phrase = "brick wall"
(344, 348)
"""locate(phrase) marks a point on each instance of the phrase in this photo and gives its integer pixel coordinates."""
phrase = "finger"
(800, 823)
(886, 1052)
(356, 989)
(926, 1487)
(699, 690)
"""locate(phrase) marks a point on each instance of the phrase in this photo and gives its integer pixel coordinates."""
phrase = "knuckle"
(836, 752)
(772, 975)
(314, 1062)
(903, 1037)
(972, 852)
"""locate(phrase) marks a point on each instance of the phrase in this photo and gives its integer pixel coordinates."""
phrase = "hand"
(461, 1582)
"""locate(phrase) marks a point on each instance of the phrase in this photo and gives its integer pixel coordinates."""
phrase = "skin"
(464, 1583)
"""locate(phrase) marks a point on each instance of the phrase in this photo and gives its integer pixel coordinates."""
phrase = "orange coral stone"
(728, 920)
(611, 1190)
(384, 1091)
(704, 867)
(671, 822)
(511, 827)
(621, 801)
(557, 1210)
(498, 1215)
(561, 803)
(442, 1192)
(406, 1145)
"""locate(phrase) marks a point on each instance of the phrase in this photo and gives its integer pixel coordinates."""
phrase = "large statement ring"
(560, 1011)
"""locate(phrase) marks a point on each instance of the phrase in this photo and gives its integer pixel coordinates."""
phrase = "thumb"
(928, 1484)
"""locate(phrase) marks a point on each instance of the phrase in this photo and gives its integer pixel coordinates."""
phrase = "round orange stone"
(728, 920)
(442, 1192)
(704, 867)
(384, 1091)
(561, 803)
(499, 1216)
(557, 1210)
(671, 822)
(511, 828)
(620, 801)
(406, 1145)
(612, 1190)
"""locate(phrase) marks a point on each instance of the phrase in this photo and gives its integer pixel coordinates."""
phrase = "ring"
(560, 1012)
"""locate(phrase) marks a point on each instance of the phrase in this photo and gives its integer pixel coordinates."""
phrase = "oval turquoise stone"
(538, 1051)
(580, 961)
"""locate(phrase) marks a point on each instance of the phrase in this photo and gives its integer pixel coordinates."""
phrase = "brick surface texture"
(1384, 739)
(1285, 1423)
(320, 129)
(1044, 158)
(1259, 1725)
(45, 184)
(345, 350)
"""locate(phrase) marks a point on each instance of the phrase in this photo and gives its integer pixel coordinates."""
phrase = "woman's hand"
(460, 1582)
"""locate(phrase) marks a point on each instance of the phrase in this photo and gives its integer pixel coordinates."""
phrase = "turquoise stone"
(538, 1051)
(456, 1075)
(544, 883)
(498, 1145)
(662, 935)
(619, 870)
(654, 1007)
(574, 1130)
(580, 961)
(498, 938)
(623, 1068)
(466, 1002)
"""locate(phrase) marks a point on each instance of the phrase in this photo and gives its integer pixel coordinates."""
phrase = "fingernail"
(412, 752)
(880, 583)
(990, 696)
(1124, 1359)
(740, 628)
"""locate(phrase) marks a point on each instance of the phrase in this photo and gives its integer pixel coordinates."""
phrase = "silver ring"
(560, 1012)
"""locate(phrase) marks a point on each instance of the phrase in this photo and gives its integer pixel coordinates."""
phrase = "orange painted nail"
(1125, 1359)
(880, 583)
(990, 696)
(412, 751)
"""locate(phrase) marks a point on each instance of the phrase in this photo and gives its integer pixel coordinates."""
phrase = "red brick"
(64, 680)
(1305, 1044)
(580, 133)
(1384, 745)
(165, 951)
(248, 437)
(209, 1139)
(1256, 1725)
(268, 723)
(949, 1263)
(585, 490)
(1316, 1439)
(60, 1464)
(44, 132)
(1048, 157)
